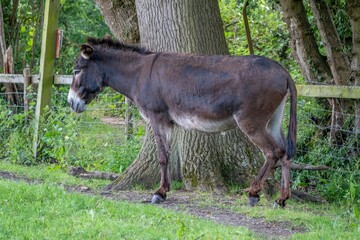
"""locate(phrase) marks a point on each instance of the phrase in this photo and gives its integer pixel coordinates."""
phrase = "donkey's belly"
(204, 125)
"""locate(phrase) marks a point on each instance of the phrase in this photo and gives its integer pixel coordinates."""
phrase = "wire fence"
(100, 136)
(314, 134)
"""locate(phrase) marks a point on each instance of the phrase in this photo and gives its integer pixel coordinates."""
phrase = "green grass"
(51, 174)
(326, 221)
(47, 211)
(102, 146)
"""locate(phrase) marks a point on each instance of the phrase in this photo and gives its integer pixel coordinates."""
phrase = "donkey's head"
(88, 79)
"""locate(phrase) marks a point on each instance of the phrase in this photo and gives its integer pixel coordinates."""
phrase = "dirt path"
(213, 208)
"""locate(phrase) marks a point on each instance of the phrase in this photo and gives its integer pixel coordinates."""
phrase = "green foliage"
(65, 139)
(79, 19)
(314, 148)
(270, 38)
(15, 135)
(23, 25)
(269, 33)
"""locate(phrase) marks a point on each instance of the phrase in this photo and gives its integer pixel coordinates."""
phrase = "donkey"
(205, 93)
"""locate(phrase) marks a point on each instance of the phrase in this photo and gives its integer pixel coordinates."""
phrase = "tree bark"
(305, 49)
(312, 64)
(11, 89)
(2, 38)
(39, 9)
(7, 59)
(120, 16)
(203, 161)
(181, 26)
(337, 60)
(353, 9)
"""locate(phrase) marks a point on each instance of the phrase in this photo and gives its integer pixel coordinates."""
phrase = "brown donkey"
(206, 93)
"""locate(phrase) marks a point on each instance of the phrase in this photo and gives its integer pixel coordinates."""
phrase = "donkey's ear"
(86, 50)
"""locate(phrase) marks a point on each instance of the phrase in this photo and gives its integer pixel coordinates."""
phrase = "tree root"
(302, 166)
(302, 196)
(82, 173)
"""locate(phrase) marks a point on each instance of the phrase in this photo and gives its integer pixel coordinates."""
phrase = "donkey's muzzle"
(77, 104)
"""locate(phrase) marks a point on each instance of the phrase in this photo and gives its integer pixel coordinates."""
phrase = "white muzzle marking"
(76, 103)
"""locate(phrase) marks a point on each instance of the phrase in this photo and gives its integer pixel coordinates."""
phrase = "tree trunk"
(312, 64)
(2, 38)
(39, 9)
(8, 62)
(337, 60)
(120, 16)
(11, 89)
(305, 50)
(353, 9)
(203, 161)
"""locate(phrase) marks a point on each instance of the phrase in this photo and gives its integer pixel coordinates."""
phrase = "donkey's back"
(215, 93)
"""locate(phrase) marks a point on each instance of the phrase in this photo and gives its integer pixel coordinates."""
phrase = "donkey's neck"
(123, 71)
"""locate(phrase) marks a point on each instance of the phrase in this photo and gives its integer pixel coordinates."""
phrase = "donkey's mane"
(115, 44)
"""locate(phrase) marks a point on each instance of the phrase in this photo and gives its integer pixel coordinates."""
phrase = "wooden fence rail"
(319, 91)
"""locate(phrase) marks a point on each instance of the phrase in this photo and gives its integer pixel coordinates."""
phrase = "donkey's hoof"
(157, 198)
(253, 200)
(279, 204)
(276, 205)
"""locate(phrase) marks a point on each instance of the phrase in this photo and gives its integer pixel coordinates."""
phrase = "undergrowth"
(65, 140)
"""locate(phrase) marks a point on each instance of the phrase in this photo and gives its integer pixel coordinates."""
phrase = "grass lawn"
(46, 210)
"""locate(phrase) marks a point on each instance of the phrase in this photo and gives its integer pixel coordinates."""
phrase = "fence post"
(129, 127)
(27, 82)
(47, 61)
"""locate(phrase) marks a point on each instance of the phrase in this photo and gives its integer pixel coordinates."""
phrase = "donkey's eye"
(76, 71)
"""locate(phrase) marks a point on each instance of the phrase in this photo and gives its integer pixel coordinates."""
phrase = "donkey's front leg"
(162, 132)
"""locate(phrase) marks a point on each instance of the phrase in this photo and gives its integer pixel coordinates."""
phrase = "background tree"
(203, 161)
(334, 67)
(353, 10)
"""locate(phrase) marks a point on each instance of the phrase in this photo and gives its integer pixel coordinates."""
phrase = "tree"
(203, 161)
(120, 16)
(7, 62)
(335, 68)
(353, 10)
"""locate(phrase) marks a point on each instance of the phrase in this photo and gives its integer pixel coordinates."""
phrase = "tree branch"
(306, 197)
(82, 173)
(302, 166)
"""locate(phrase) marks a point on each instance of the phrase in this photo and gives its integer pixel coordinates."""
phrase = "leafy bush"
(314, 148)
(65, 139)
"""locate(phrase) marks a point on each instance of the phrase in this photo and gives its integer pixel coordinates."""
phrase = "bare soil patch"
(211, 207)
(113, 120)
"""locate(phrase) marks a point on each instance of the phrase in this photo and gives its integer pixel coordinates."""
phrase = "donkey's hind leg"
(258, 133)
(271, 157)
(162, 128)
(285, 182)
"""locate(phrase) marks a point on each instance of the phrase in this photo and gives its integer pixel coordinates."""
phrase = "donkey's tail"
(291, 138)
